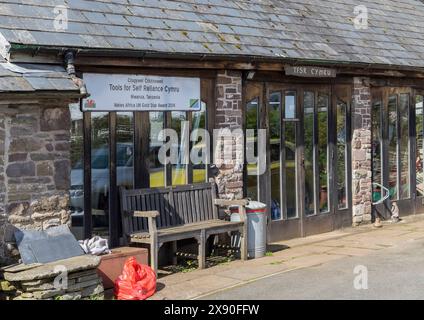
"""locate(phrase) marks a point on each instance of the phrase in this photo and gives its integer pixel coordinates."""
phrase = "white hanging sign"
(120, 92)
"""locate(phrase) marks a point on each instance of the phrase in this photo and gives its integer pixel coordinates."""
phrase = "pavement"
(317, 267)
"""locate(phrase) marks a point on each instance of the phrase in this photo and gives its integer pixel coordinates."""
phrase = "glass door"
(317, 152)
(393, 149)
(284, 161)
(307, 182)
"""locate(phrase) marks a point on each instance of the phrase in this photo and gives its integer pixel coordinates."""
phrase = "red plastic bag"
(137, 281)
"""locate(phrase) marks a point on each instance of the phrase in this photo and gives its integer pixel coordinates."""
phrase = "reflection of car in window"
(100, 175)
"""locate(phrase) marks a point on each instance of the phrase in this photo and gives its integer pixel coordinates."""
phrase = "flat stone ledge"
(50, 269)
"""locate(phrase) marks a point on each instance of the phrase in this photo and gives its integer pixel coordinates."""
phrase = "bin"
(256, 228)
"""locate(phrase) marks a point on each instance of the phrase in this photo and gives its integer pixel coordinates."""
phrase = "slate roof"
(30, 78)
(281, 29)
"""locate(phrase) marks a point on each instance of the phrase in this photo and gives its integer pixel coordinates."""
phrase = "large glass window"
(275, 153)
(341, 173)
(180, 124)
(125, 149)
(419, 129)
(376, 128)
(200, 173)
(290, 154)
(156, 168)
(308, 119)
(76, 192)
(100, 172)
(393, 144)
(404, 183)
(252, 170)
(322, 105)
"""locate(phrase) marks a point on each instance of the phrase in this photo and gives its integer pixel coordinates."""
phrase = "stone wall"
(34, 168)
(229, 114)
(361, 152)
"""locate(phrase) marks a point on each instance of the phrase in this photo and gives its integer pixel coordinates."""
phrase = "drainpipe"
(70, 69)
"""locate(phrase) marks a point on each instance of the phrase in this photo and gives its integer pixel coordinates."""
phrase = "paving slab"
(309, 252)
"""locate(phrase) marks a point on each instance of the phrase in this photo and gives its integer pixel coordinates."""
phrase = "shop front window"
(125, 149)
(341, 113)
(275, 152)
(198, 121)
(308, 118)
(419, 129)
(156, 167)
(76, 193)
(179, 170)
(393, 143)
(100, 172)
(323, 102)
(404, 183)
(377, 176)
(252, 168)
(290, 144)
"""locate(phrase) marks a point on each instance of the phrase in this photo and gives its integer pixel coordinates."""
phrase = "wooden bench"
(158, 215)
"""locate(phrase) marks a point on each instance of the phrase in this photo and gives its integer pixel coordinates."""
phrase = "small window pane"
(290, 106)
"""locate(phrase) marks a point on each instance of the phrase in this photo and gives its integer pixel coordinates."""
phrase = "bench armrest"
(225, 202)
(151, 219)
(146, 214)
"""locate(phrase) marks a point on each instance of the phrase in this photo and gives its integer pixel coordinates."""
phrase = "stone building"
(337, 88)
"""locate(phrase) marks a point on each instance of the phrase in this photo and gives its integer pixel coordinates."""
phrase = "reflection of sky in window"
(290, 107)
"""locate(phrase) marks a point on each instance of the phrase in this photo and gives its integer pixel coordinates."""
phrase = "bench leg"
(243, 245)
(174, 252)
(202, 249)
(154, 250)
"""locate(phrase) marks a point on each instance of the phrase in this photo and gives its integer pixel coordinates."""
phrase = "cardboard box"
(111, 265)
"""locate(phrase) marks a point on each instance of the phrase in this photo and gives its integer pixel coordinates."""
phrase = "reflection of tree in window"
(341, 154)
(274, 131)
(308, 118)
(251, 123)
(393, 141)
(323, 151)
(376, 151)
(419, 125)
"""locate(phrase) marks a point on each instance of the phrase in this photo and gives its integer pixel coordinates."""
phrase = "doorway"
(307, 182)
